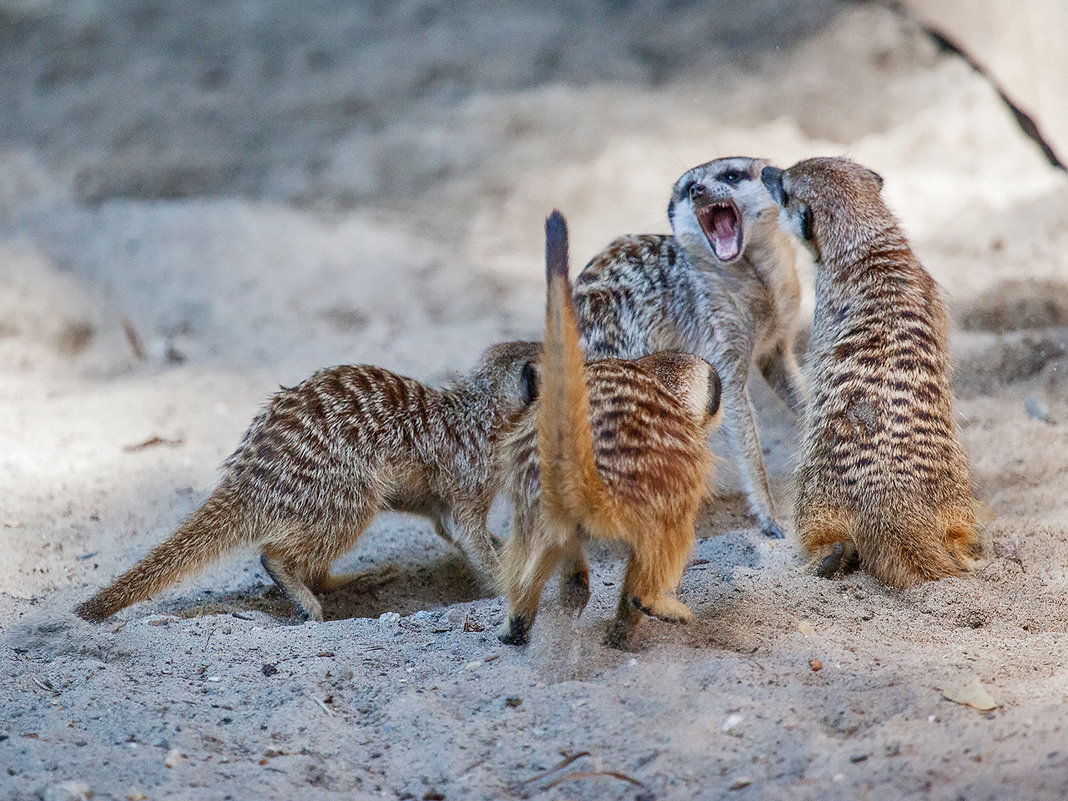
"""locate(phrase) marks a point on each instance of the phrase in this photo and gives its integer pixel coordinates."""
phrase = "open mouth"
(722, 225)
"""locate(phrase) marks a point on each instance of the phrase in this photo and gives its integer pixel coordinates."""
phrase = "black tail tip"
(556, 244)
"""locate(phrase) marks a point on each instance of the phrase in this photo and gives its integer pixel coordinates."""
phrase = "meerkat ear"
(877, 178)
(528, 383)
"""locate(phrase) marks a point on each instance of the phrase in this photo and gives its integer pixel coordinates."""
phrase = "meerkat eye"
(732, 177)
(806, 223)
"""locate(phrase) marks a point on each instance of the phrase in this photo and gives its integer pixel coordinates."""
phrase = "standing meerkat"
(881, 476)
(614, 449)
(324, 457)
(724, 287)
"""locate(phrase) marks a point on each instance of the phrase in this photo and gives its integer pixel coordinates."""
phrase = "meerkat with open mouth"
(882, 480)
(724, 287)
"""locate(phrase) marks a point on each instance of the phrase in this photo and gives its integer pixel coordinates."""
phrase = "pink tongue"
(725, 243)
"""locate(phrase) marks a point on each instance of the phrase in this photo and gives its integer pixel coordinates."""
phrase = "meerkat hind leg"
(741, 432)
(524, 591)
(644, 588)
(295, 589)
(332, 582)
(574, 578)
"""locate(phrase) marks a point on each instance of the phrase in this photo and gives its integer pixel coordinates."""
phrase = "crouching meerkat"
(881, 475)
(324, 457)
(723, 287)
(614, 449)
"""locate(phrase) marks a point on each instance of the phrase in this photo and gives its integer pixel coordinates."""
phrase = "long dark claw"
(832, 563)
(772, 531)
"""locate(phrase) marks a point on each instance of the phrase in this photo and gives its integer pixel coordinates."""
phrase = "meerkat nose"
(771, 177)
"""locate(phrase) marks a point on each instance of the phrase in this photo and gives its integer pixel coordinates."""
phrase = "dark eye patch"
(684, 190)
(733, 177)
(806, 223)
(528, 380)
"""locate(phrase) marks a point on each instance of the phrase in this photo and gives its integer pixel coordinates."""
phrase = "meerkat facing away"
(881, 476)
(723, 287)
(324, 457)
(613, 449)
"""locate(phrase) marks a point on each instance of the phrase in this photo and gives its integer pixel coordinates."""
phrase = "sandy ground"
(260, 191)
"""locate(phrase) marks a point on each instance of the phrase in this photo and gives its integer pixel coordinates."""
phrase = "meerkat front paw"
(663, 608)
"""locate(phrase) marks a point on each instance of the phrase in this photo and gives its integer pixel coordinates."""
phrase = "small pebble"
(268, 669)
(732, 722)
(389, 618)
(513, 701)
(740, 782)
(174, 756)
(1037, 409)
(455, 617)
(815, 664)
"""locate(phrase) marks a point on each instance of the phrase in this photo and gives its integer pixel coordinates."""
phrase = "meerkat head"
(693, 381)
(512, 370)
(714, 206)
(832, 205)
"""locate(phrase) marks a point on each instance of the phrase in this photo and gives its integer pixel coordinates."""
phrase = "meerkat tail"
(205, 535)
(569, 475)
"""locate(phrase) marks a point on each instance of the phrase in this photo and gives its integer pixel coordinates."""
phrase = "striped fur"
(651, 293)
(881, 474)
(613, 449)
(324, 457)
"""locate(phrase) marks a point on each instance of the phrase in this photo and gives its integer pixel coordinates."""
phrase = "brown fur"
(326, 456)
(732, 300)
(613, 449)
(881, 477)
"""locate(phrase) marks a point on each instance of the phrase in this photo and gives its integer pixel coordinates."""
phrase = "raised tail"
(569, 479)
(206, 535)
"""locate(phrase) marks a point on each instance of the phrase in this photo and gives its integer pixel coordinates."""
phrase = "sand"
(257, 192)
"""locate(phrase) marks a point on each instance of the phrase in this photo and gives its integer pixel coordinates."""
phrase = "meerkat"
(614, 449)
(882, 479)
(324, 457)
(723, 287)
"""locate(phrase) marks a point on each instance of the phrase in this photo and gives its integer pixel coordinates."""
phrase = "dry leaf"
(972, 694)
